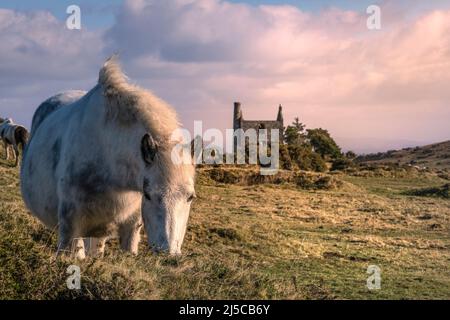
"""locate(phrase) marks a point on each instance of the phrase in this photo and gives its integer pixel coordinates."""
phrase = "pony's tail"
(21, 136)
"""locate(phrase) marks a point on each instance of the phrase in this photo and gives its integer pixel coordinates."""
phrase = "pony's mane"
(129, 103)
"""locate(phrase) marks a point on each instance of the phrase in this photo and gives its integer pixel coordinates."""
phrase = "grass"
(442, 192)
(257, 241)
(389, 186)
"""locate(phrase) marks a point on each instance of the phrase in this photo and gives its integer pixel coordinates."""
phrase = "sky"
(373, 90)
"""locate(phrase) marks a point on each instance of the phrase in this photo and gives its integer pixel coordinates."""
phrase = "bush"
(323, 143)
(317, 182)
(317, 163)
(341, 164)
(306, 159)
(285, 158)
(350, 155)
(224, 176)
(308, 150)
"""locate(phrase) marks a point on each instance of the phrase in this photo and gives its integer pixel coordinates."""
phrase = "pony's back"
(52, 104)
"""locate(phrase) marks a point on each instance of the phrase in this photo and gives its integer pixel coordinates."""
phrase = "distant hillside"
(436, 156)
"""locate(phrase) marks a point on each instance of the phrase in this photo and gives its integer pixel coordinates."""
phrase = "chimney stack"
(237, 116)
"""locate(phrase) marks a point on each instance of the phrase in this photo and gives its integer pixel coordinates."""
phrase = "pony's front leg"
(77, 249)
(16, 154)
(67, 241)
(73, 246)
(95, 247)
(6, 150)
(130, 233)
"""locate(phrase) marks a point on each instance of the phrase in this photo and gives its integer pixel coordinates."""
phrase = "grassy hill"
(436, 156)
(248, 239)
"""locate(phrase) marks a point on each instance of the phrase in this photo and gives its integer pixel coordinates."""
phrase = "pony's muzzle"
(174, 251)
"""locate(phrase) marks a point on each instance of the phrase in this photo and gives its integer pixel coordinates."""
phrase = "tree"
(305, 159)
(309, 149)
(295, 133)
(322, 143)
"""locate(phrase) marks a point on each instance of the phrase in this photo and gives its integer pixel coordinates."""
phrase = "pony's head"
(168, 195)
(167, 186)
(3, 124)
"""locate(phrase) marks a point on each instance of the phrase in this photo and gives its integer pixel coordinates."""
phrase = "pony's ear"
(196, 149)
(192, 148)
(149, 148)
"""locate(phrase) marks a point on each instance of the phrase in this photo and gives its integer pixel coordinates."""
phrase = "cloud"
(38, 45)
(39, 57)
(325, 67)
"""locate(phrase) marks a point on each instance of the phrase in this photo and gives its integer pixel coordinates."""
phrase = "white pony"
(97, 163)
(13, 135)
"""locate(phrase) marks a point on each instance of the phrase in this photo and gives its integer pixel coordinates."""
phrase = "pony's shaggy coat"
(52, 104)
(95, 177)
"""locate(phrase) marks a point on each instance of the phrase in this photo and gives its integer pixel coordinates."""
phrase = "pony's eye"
(191, 197)
(147, 196)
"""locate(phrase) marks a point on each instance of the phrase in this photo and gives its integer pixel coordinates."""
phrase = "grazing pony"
(99, 163)
(15, 136)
